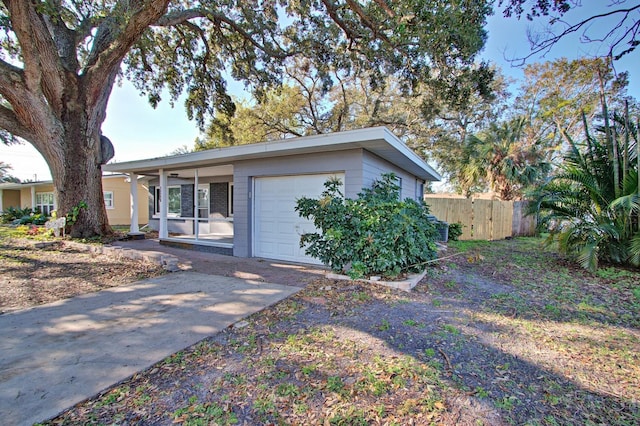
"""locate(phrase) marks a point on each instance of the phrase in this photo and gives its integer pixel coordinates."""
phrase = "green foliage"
(504, 158)
(455, 230)
(72, 216)
(253, 40)
(591, 207)
(35, 219)
(555, 94)
(14, 213)
(312, 103)
(375, 234)
(24, 216)
(277, 115)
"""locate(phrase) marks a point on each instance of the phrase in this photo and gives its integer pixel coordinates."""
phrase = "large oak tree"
(60, 60)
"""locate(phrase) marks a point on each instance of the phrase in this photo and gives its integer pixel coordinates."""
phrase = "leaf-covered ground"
(31, 276)
(504, 333)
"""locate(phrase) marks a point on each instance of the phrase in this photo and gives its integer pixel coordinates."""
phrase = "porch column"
(134, 227)
(195, 204)
(1, 197)
(164, 195)
(33, 197)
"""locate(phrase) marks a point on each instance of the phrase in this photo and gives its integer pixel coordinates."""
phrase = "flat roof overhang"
(377, 140)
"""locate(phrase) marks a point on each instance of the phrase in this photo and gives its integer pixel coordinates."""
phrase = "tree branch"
(544, 46)
(43, 70)
(385, 6)
(184, 16)
(10, 123)
(353, 5)
(333, 13)
(28, 117)
(110, 49)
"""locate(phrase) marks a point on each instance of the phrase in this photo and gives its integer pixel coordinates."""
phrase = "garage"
(277, 226)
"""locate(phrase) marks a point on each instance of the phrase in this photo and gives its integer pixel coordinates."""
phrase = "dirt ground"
(30, 276)
(500, 333)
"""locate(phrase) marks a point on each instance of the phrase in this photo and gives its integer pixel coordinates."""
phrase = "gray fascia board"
(378, 140)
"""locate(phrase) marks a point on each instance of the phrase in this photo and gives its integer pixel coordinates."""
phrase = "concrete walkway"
(267, 270)
(56, 355)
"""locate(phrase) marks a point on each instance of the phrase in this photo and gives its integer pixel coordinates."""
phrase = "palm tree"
(504, 158)
(591, 207)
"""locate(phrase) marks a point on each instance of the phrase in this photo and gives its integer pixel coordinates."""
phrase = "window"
(108, 199)
(230, 198)
(174, 200)
(399, 187)
(44, 202)
(419, 190)
(203, 200)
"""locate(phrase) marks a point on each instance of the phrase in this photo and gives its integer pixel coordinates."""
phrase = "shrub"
(455, 230)
(375, 234)
(15, 213)
(591, 206)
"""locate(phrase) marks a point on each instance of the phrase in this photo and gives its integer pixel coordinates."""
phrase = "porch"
(190, 208)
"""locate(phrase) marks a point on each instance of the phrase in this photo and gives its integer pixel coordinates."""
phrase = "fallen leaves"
(30, 276)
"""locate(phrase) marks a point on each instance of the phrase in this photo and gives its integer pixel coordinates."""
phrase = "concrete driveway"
(56, 355)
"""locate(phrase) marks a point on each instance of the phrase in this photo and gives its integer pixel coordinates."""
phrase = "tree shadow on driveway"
(348, 353)
(56, 355)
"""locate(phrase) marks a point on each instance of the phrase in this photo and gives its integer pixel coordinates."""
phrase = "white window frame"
(157, 201)
(40, 204)
(207, 189)
(109, 203)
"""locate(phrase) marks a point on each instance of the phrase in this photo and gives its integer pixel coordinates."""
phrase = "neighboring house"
(240, 200)
(115, 188)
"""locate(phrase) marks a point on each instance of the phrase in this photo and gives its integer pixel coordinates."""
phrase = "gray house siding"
(348, 162)
(373, 167)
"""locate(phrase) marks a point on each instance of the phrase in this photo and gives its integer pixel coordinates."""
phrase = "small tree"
(591, 207)
(375, 234)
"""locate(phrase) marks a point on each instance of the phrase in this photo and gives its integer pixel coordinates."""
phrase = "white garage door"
(277, 226)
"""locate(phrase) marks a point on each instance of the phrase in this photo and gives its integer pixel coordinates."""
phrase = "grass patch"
(527, 339)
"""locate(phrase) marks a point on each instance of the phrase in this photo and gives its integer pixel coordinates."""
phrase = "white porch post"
(134, 227)
(1, 196)
(33, 196)
(164, 195)
(195, 204)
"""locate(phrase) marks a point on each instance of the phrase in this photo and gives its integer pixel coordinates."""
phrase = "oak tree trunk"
(78, 179)
(74, 156)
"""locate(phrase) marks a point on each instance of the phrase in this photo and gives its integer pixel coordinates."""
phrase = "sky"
(137, 131)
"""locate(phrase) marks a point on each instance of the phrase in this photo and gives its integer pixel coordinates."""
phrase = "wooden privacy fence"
(483, 219)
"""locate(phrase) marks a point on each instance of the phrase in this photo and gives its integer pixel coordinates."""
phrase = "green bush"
(591, 206)
(375, 234)
(455, 230)
(15, 213)
(25, 216)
